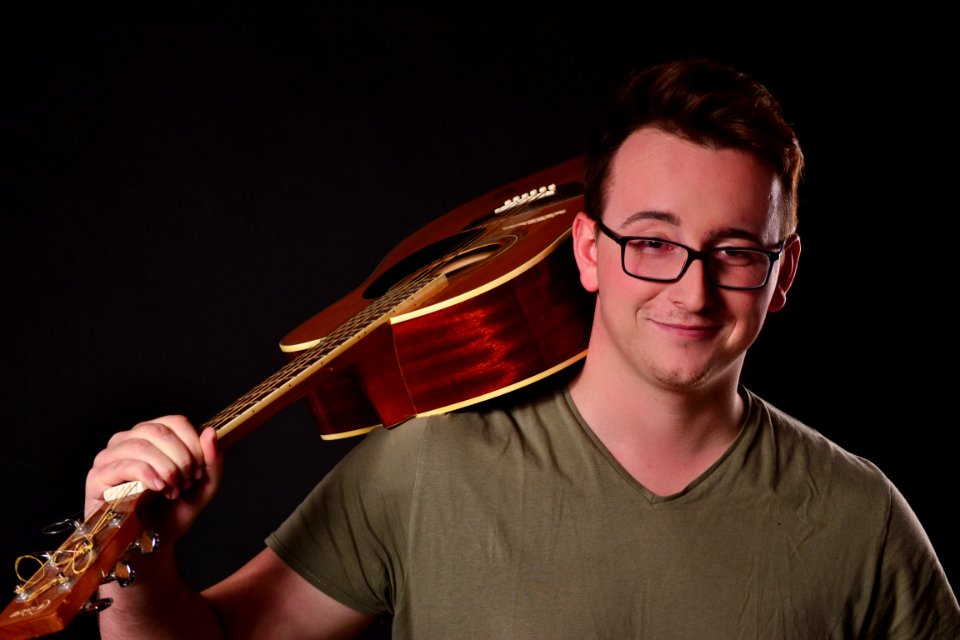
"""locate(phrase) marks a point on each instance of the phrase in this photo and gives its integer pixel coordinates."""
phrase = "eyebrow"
(724, 233)
(662, 216)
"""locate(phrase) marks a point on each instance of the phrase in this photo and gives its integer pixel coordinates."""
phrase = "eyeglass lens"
(661, 260)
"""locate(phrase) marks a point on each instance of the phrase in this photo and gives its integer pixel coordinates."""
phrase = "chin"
(682, 380)
(693, 378)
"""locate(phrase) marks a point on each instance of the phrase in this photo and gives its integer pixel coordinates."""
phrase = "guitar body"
(511, 311)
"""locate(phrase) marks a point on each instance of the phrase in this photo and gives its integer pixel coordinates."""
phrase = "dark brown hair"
(708, 103)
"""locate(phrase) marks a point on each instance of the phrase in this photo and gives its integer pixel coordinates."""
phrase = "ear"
(788, 270)
(585, 250)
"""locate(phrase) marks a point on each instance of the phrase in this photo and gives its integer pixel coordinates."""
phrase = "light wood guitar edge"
(473, 293)
(466, 403)
(489, 286)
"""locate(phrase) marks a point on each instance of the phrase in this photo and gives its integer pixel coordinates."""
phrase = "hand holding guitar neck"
(167, 456)
(481, 301)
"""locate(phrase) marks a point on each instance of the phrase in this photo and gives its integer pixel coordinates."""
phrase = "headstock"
(67, 580)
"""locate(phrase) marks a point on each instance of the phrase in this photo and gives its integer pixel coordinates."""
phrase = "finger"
(163, 465)
(184, 430)
(175, 425)
(170, 437)
(104, 476)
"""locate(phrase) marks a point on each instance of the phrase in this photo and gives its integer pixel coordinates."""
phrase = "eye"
(652, 246)
(737, 257)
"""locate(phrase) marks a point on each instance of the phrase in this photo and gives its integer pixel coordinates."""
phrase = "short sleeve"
(915, 600)
(349, 536)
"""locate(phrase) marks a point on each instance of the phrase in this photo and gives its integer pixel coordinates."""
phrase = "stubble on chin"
(680, 380)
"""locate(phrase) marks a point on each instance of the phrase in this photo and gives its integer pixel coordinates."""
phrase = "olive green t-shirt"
(514, 521)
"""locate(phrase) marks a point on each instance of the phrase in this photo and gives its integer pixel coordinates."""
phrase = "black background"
(183, 186)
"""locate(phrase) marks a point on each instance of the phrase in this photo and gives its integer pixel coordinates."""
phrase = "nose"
(693, 291)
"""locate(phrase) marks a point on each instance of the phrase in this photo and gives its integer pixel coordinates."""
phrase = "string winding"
(70, 560)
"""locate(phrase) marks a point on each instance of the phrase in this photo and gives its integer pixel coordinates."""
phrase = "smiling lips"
(685, 330)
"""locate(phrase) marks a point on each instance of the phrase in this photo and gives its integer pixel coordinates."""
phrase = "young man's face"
(688, 333)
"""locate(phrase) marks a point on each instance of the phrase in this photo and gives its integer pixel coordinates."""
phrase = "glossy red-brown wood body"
(513, 316)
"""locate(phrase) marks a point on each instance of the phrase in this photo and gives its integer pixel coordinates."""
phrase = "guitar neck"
(48, 600)
(291, 382)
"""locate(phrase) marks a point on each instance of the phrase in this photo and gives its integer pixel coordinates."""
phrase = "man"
(650, 496)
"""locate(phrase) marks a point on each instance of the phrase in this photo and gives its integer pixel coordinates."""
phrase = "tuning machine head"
(146, 543)
(123, 574)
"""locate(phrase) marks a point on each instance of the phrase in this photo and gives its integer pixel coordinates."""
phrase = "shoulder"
(863, 519)
(816, 471)
(519, 417)
(509, 433)
(805, 446)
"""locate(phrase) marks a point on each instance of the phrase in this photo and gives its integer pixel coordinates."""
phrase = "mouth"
(688, 330)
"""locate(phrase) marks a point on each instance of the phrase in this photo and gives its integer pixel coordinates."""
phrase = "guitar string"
(353, 327)
(365, 318)
(80, 546)
(66, 560)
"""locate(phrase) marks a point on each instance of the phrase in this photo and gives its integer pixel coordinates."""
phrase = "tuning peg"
(123, 573)
(96, 606)
(62, 526)
(146, 543)
(149, 541)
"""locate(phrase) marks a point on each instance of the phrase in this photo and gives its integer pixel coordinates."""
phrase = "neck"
(664, 437)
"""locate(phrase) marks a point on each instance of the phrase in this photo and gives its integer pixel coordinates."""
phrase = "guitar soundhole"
(468, 258)
(443, 251)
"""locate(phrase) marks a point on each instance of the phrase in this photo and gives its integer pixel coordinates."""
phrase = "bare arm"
(265, 598)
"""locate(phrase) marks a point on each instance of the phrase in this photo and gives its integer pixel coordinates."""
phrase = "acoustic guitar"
(481, 301)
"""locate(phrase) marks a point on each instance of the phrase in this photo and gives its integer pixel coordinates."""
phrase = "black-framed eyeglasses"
(657, 260)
